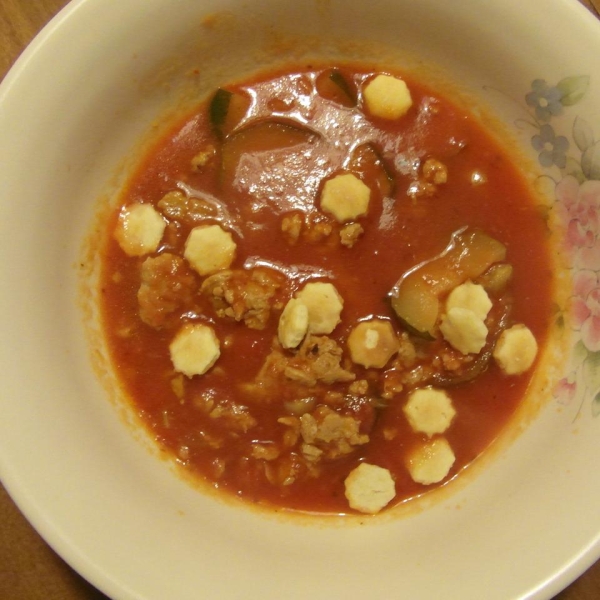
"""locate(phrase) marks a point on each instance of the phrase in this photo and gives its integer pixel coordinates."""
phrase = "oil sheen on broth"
(325, 289)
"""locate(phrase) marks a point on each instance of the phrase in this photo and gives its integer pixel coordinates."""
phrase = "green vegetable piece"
(416, 296)
(332, 85)
(266, 136)
(339, 80)
(228, 111)
(367, 161)
(219, 107)
(496, 278)
(417, 307)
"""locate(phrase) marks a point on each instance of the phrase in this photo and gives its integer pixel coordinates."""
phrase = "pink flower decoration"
(585, 308)
(565, 391)
(579, 209)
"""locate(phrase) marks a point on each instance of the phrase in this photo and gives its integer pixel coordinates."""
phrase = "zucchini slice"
(227, 111)
(367, 161)
(332, 85)
(265, 136)
(416, 296)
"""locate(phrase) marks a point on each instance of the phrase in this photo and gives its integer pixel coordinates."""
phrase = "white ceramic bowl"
(72, 111)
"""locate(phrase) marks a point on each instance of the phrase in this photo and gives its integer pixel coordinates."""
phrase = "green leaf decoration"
(590, 162)
(582, 134)
(580, 353)
(596, 405)
(591, 371)
(573, 168)
(573, 89)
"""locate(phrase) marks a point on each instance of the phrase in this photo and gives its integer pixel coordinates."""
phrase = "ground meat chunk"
(291, 226)
(350, 233)
(319, 359)
(264, 451)
(435, 171)
(236, 418)
(167, 286)
(203, 157)
(330, 434)
(243, 295)
(407, 353)
(295, 226)
(317, 231)
(438, 363)
(359, 388)
(421, 189)
(180, 207)
(433, 174)
(289, 469)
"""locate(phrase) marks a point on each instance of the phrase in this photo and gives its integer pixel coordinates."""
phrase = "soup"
(325, 289)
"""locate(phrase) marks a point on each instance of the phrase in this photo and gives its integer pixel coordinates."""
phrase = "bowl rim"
(31, 507)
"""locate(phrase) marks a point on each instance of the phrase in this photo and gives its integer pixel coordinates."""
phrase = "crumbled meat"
(350, 233)
(325, 434)
(204, 402)
(300, 376)
(299, 406)
(292, 430)
(290, 437)
(311, 453)
(317, 230)
(390, 433)
(441, 365)
(418, 376)
(178, 387)
(333, 398)
(435, 171)
(291, 226)
(452, 360)
(407, 353)
(243, 295)
(167, 285)
(271, 371)
(319, 359)
(404, 370)
(289, 469)
(359, 387)
(210, 440)
(180, 207)
(312, 231)
(236, 417)
(391, 383)
(203, 157)
(264, 451)
(334, 434)
(421, 189)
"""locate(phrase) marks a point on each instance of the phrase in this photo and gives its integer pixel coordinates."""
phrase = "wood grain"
(29, 569)
(593, 6)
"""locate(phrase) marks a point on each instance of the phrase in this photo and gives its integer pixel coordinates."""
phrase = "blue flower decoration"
(544, 99)
(552, 148)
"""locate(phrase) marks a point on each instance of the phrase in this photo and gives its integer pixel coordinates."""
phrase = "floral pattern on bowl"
(573, 164)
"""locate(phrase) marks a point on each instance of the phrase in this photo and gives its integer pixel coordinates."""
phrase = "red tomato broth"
(398, 234)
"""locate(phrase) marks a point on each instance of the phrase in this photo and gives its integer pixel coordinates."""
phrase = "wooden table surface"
(29, 569)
